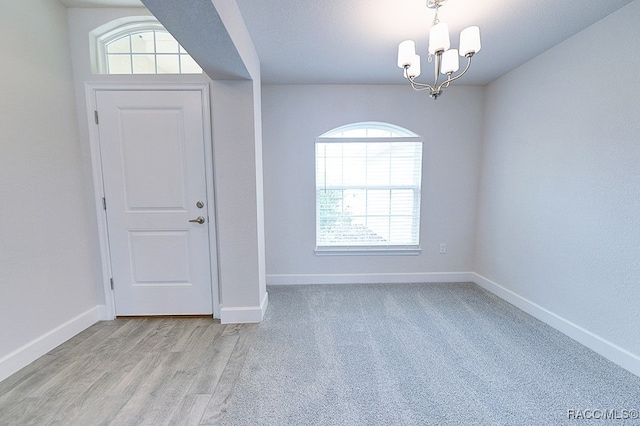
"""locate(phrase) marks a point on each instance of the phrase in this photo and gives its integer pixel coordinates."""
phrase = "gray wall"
(46, 276)
(293, 116)
(560, 193)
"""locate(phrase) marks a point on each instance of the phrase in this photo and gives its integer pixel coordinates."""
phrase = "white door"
(153, 165)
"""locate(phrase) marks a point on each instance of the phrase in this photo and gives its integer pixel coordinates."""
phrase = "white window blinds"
(368, 188)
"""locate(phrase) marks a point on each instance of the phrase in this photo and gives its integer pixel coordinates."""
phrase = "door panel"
(152, 150)
(153, 155)
(160, 257)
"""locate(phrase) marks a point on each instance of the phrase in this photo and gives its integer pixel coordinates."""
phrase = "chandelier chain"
(436, 20)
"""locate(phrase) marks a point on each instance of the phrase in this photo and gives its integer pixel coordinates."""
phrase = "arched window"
(138, 45)
(368, 179)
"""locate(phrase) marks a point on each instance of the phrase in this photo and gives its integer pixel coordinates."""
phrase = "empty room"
(413, 212)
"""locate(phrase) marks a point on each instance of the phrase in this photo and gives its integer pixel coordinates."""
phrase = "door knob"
(199, 219)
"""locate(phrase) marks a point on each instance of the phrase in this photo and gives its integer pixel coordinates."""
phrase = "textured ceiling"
(355, 41)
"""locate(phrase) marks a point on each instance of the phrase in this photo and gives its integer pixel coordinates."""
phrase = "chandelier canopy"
(446, 60)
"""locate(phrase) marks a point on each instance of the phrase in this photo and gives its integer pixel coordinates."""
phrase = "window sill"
(359, 251)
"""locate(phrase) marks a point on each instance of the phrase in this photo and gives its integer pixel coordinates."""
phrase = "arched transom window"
(140, 46)
(368, 180)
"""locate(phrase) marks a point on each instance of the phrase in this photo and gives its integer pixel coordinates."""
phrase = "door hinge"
(95, 115)
(111, 281)
(104, 203)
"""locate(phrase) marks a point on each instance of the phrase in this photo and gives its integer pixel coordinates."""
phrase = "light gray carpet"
(417, 354)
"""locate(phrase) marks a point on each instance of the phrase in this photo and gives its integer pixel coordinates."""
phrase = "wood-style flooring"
(143, 371)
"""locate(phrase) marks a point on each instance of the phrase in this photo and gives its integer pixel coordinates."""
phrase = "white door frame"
(98, 183)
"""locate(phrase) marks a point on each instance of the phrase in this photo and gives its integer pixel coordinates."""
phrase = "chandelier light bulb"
(450, 61)
(439, 38)
(414, 70)
(470, 41)
(406, 53)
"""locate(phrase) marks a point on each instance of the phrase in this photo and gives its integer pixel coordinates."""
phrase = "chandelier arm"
(414, 84)
(445, 84)
(419, 86)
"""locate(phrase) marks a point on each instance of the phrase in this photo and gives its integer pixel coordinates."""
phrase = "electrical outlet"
(443, 248)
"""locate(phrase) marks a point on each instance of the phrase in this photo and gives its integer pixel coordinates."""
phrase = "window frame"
(398, 134)
(114, 30)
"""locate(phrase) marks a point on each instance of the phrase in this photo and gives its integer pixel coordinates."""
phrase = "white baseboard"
(243, 315)
(102, 313)
(25, 355)
(607, 349)
(426, 277)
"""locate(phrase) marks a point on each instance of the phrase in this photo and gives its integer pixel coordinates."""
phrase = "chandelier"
(446, 60)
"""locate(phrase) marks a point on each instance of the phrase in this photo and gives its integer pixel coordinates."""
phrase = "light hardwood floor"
(142, 371)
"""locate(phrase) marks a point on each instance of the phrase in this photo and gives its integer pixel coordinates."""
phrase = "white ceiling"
(355, 41)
